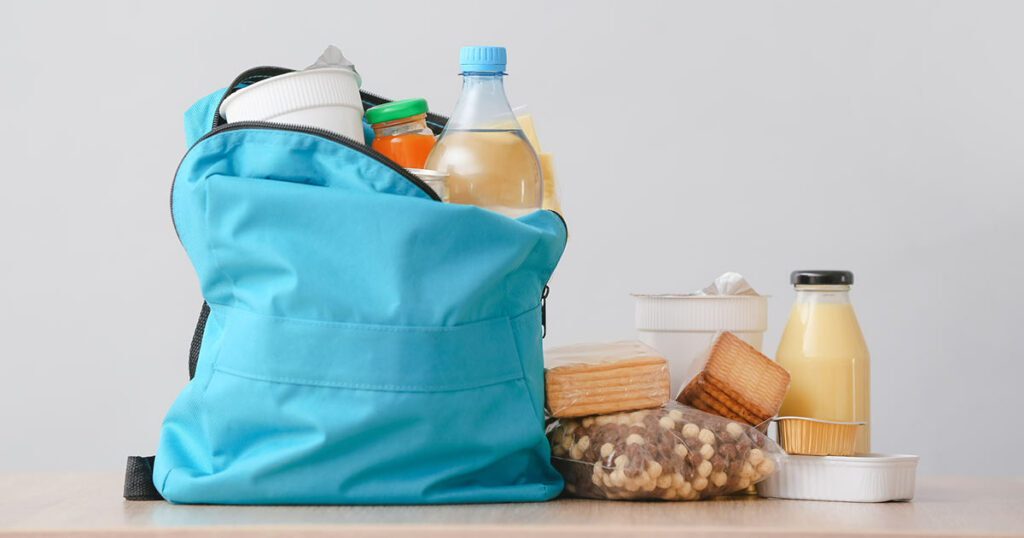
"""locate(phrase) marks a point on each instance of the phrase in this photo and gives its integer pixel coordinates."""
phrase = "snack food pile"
(671, 452)
(617, 436)
(614, 434)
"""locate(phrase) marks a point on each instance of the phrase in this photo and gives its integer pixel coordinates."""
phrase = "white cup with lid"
(682, 327)
(324, 98)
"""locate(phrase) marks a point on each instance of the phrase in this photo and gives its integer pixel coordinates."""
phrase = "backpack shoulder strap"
(138, 480)
(197, 340)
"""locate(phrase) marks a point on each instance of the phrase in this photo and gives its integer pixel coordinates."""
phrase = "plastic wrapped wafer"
(592, 379)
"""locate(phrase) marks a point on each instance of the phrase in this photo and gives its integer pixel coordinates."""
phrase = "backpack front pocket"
(301, 411)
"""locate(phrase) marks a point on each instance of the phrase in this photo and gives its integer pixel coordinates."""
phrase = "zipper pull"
(544, 311)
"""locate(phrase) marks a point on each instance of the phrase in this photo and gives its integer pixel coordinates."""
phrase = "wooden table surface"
(65, 504)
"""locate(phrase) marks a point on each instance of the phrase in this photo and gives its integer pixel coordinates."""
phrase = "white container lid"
(294, 91)
(701, 313)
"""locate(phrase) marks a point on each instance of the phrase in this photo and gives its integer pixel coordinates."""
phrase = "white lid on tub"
(729, 303)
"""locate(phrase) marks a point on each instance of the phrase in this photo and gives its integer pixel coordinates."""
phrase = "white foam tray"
(864, 478)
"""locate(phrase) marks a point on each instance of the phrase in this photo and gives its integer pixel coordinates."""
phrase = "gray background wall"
(690, 139)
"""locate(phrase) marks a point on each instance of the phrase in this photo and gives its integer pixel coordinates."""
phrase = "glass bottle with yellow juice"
(824, 351)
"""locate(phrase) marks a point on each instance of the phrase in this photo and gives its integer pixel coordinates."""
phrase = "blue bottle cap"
(482, 59)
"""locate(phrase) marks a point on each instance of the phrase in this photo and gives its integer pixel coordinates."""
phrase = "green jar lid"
(396, 110)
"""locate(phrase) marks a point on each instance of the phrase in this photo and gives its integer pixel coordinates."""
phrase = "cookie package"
(738, 382)
(591, 379)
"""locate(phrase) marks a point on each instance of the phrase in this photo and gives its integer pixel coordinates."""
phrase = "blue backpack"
(361, 342)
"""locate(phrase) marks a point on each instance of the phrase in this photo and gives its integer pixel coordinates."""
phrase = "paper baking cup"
(800, 435)
(863, 478)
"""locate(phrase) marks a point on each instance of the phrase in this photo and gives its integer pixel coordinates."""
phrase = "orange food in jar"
(401, 133)
(408, 150)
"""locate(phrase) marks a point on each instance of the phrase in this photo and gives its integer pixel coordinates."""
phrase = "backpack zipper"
(246, 78)
(544, 309)
(322, 133)
(436, 122)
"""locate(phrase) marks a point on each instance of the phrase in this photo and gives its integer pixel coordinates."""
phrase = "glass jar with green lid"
(400, 131)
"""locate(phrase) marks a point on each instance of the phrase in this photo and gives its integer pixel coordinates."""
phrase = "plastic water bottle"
(488, 159)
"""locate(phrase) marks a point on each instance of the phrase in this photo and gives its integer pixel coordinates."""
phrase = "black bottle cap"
(821, 277)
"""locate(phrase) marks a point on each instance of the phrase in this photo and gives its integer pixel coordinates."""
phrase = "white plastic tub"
(682, 327)
(868, 478)
(326, 98)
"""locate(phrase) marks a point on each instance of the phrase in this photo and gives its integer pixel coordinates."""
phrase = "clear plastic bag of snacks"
(671, 452)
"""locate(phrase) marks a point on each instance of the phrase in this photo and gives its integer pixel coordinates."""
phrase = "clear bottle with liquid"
(483, 149)
(824, 351)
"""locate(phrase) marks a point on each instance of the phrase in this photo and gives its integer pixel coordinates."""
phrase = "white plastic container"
(434, 179)
(326, 98)
(682, 327)
(868, 478)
